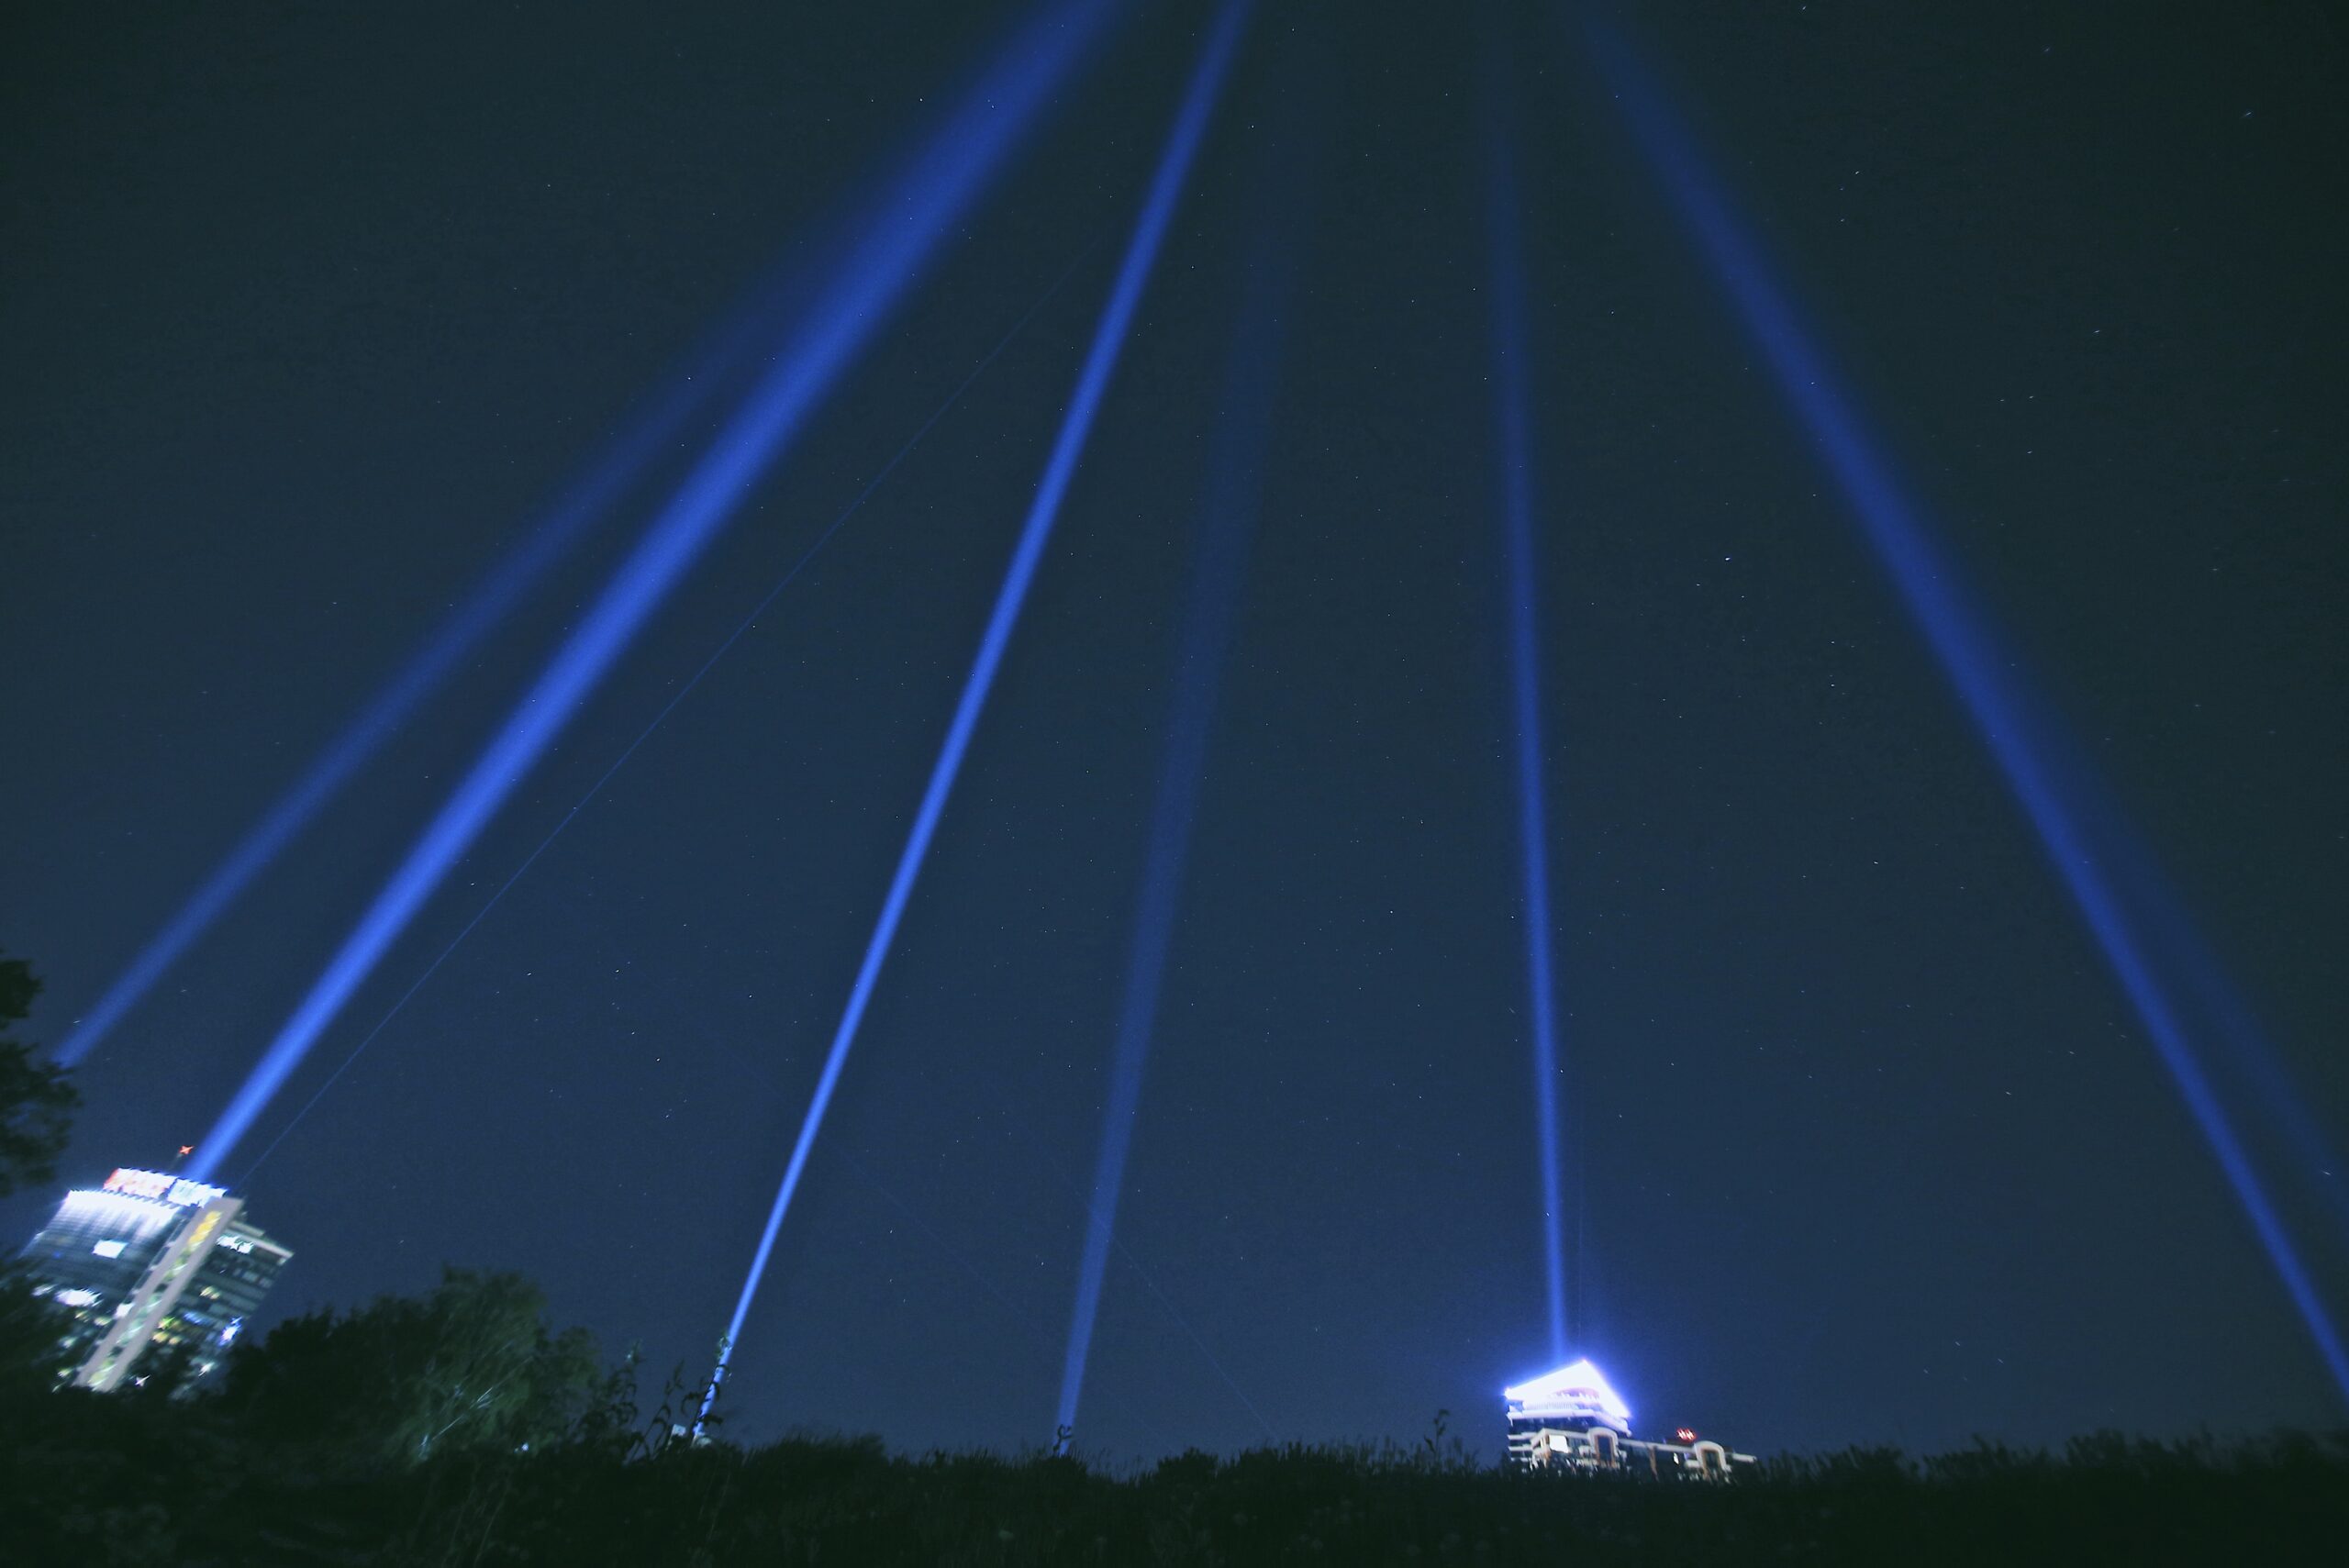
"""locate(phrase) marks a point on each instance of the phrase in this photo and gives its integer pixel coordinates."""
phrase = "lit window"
(109, 1249)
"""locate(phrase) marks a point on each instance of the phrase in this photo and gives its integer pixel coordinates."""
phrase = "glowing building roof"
(163, 1188)
(1577, 1387)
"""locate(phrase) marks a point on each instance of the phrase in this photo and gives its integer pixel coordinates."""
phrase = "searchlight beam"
(1108, 340)
(913, 215)
(2025, 745)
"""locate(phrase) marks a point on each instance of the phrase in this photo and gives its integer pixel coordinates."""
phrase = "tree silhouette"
(36, 1098)
(472, 1366)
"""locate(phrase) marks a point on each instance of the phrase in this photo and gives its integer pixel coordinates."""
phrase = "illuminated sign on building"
(163, 1188)
(149, 1259)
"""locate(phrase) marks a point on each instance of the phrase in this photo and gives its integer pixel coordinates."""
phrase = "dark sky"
(305, 310)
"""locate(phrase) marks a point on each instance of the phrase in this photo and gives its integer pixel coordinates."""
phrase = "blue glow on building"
(1579, 1391)
(1227, 518)
(916, 210)
(2022, 740)
(1511, 400)
(1101, 360)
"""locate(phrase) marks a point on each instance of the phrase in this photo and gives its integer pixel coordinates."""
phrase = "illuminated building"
(149, 1261)
(1570, 1419)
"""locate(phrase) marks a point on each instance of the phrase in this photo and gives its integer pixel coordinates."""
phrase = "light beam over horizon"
(1068, 447)
(2205, 990)
(588, 499)
(904, 226)
(742, 627)
(1510, 413)
(2025, 743)
(1227, 519)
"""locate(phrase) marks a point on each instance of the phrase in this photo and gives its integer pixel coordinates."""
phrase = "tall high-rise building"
(150, 1262)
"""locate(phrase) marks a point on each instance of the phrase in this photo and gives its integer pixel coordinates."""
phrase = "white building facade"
(151, 1262)
(1572, 1419)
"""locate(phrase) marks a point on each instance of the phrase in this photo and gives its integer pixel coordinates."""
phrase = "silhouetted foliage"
(36, 1098)
(460, 1427)
(130, 1482)
(474, 1365)
(32, 1327)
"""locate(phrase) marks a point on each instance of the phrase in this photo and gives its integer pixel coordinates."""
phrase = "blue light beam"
(916, 210)
(742, 628)
(1510, 405)
(576, 511)
(2181, 951)
(1227, 518)
(1968, 653)
(1100, 362)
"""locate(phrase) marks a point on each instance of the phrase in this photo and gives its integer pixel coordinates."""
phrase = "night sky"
(305, 312)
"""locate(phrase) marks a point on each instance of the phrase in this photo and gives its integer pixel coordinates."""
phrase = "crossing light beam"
(1227, 518)
(2028, 747)
(911, 215)
(551, 539)
(1100, 362)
